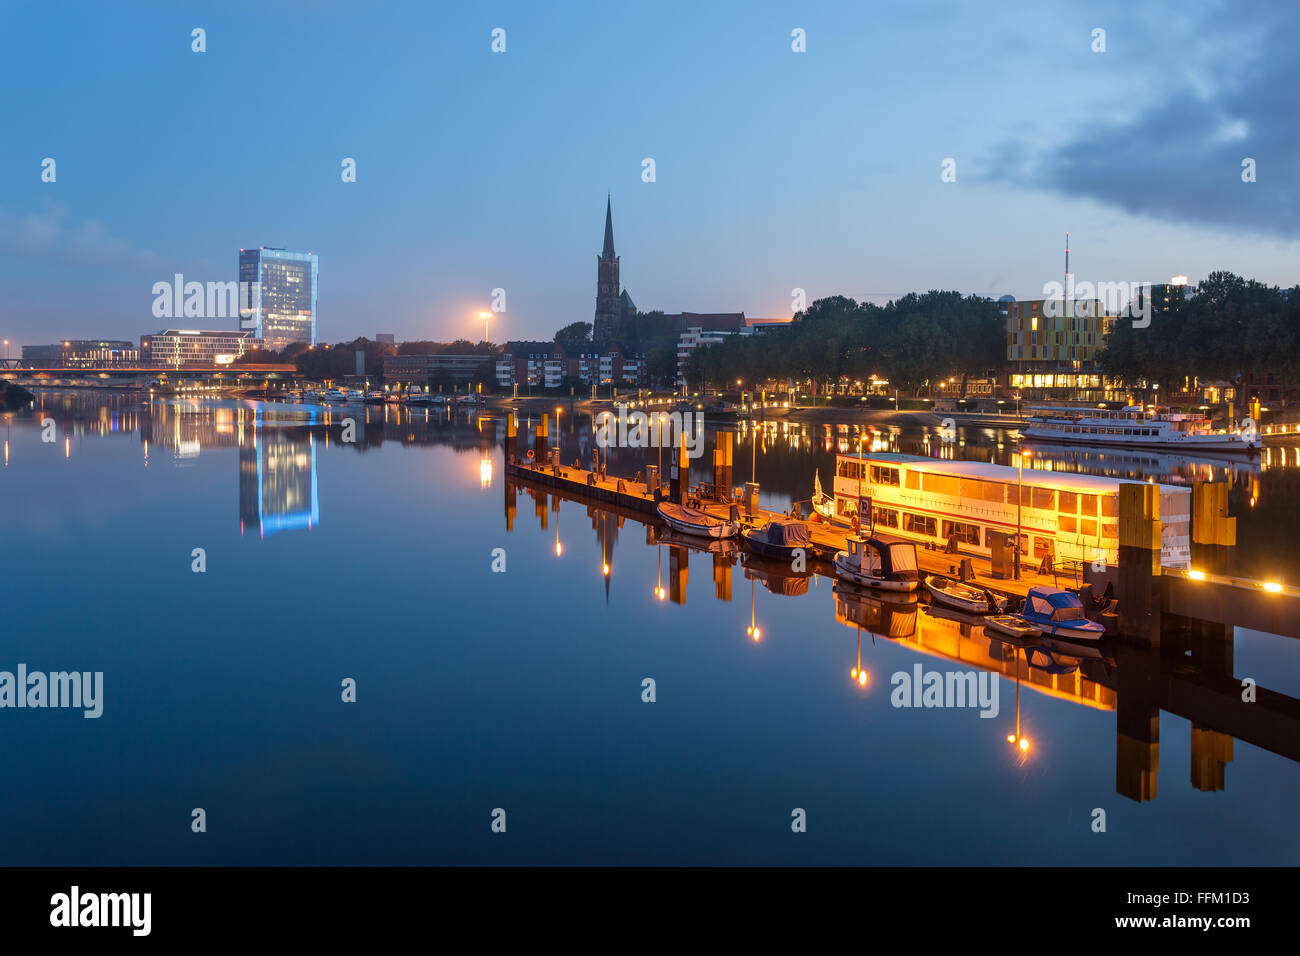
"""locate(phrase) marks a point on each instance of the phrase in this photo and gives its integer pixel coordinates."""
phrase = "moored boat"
(695, 522)
(822, 503)
(962, 597)
(780, 538)
(1010, 625)
(1134, 425)
(874, 563)
(1059, 613)
(334, 395)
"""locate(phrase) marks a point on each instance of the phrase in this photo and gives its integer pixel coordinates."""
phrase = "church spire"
(608, 251)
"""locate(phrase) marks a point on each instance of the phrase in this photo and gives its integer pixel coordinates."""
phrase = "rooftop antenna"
(1067, 289)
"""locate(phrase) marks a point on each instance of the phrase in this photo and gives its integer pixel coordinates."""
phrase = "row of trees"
(1229, 328)
(909, 341)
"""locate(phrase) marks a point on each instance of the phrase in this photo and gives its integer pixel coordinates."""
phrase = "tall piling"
(681, 472)
(1214, 532)
(1138, 588)
(512, 437)
(541, 441)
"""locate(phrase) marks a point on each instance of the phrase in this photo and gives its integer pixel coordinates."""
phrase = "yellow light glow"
(1272, 586)
(604, 569)
(1024, 745)
(559, 549)
(862, 678)
(1196, 575)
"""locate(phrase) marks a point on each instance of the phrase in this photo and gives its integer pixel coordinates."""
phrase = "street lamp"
(486, 317)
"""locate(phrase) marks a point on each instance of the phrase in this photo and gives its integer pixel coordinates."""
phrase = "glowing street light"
(486, 317)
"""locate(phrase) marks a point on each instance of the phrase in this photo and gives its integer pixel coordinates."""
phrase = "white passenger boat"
(334, 395)
(310, 396)
(354, 396)
(1135, 426)
(975, 506)
(962, 597)
(873, 563)
(695, 522)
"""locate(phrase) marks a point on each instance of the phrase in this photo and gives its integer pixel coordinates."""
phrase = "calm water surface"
(522, 690)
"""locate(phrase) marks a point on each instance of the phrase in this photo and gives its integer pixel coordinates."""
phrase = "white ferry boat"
(1065, 516)
(1135, 426)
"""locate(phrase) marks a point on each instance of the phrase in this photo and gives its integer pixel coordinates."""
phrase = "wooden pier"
(1146, 592)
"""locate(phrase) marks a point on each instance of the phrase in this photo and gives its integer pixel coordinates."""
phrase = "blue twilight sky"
(775, 170)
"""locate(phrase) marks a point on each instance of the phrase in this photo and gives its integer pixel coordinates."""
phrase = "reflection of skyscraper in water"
(277, 481)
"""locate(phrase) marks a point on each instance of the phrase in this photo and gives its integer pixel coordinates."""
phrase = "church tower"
(609, 302)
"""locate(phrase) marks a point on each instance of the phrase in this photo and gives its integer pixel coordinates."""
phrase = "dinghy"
(873, 563)
(962, 597)
(1009, 625)
(695, 522)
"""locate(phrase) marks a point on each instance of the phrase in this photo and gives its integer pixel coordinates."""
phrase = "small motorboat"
(470, 399)
(1059, 613)
(416, 397)
(334, 395)
(1010, 625)
(780, 538)
(355, 396)
(696, 522)
(963, 597)
(375, 397)
(873, 563)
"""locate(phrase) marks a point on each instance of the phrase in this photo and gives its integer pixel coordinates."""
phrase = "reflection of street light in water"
(1016, 739)
(485, 473)
(858, 674)
(559, 548)
(659, 584)
(752, 630)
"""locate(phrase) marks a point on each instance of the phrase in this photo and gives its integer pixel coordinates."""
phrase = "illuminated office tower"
(278, 295)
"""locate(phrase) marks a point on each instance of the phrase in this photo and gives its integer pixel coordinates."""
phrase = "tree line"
(911, 341)
(1230, 327)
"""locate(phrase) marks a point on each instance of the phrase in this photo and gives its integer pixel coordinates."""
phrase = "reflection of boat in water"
(871, 562)
(727, 547)
(776, 577)
(962, 597)
(1139, 463)
(1049, 661)
(1135, 426)
(695, 522)
(892, 615)
(780, 538)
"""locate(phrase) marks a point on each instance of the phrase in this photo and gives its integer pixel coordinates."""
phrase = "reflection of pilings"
(511, 493)
(512, 435)
(722, 577)
(678, 573)
(1137, 724)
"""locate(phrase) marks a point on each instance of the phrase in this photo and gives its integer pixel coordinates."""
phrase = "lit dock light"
(1024, 744)
(1196, 575)
(1272, 587)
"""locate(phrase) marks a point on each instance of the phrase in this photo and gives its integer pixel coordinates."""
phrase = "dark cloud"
(1179, 157)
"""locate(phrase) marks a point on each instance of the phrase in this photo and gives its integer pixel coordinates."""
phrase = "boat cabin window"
(912, 480)
(1044, 547)
(1067, 614)
(1067, 524)
(1088, 527)
(919, 524)
(1088, 505)
(940, 484)
(1110, 506)
(967, 533)
(885, 517)
(1067, 502)
(1044, 498)
(884, 476)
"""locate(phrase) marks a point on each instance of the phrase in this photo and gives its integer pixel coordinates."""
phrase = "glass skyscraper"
(277, 291)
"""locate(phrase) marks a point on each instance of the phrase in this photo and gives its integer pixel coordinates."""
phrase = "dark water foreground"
(523, 690)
